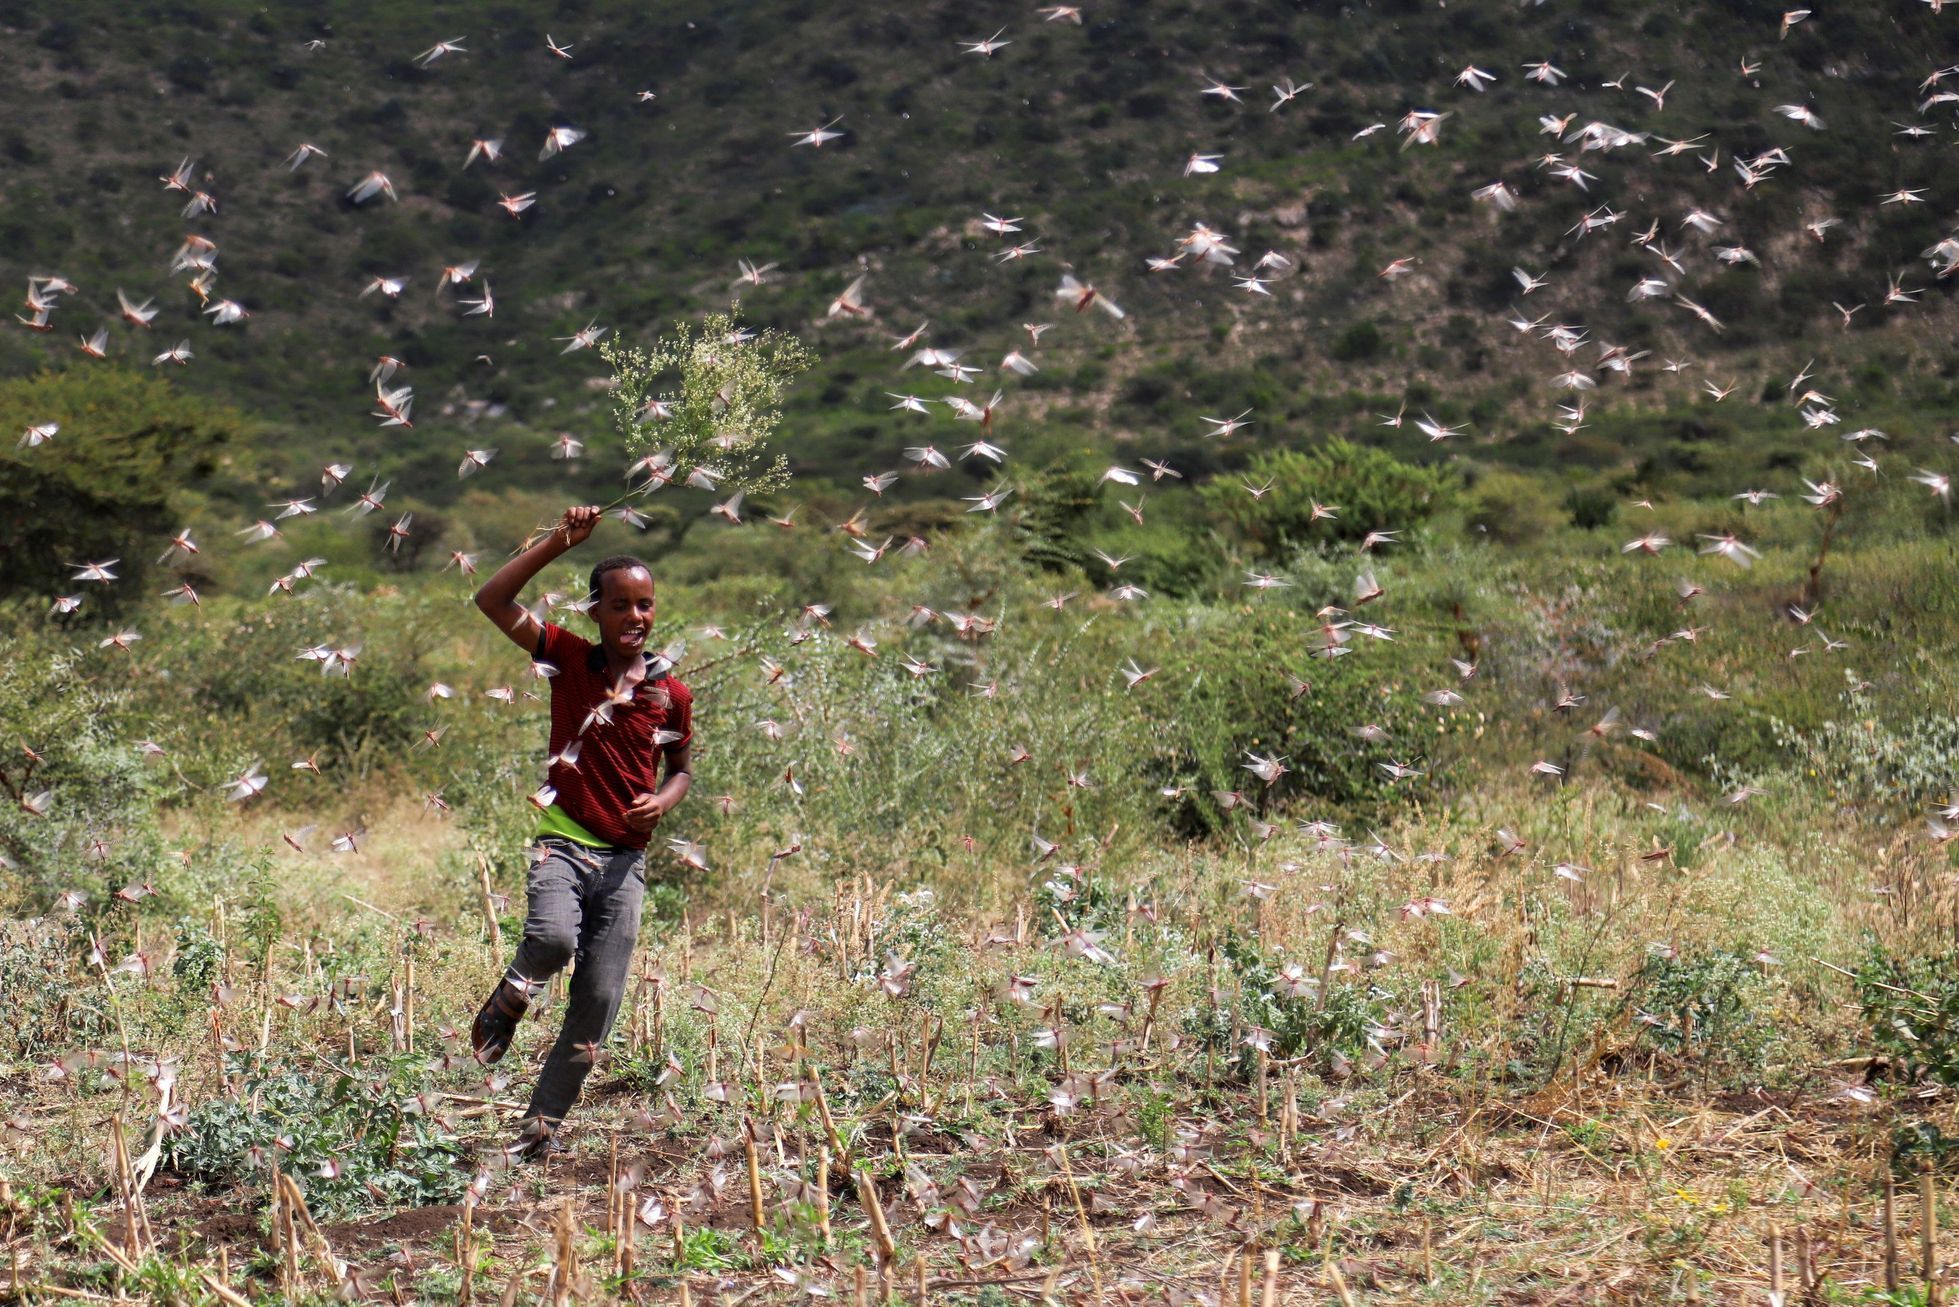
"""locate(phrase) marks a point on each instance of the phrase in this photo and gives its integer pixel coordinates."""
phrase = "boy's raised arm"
(498, 597)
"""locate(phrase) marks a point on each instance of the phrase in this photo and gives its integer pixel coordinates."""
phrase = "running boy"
(615, 711)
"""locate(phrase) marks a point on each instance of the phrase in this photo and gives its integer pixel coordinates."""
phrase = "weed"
(1708, 1006)
(709, 1248)
(349, 1136)
(1911, 1008)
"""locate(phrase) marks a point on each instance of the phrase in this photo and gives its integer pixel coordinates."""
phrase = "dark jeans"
(584, 904)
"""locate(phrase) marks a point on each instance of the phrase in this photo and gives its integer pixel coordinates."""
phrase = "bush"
(1369, 489)
(1336, 1032)
(99, 830)
(249, 695)
(1911, 1007)
(386, 1157)
(926, 755)
(1863, 756)
(1360, 343)
(1170, 560)
(1591, 507)
(1054, 508)
(36, 974)
(1236, 694)
(1709, 1005)
(1511, 508)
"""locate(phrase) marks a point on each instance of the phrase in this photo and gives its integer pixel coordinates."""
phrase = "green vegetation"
(1073, 129)
(109, 483)
(348, 1134)
(1166, 896)
(1336, 491)
(725, 407)
(1912, 1007)
(1326, 837)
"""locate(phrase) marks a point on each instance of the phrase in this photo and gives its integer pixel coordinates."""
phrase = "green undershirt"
(558, 822)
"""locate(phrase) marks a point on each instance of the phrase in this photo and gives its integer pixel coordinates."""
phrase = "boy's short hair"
(616, 563)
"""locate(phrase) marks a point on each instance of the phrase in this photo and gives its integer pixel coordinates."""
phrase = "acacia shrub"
(1230, 690)
(1369, 489)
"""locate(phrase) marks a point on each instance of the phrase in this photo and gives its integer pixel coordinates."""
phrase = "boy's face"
(624, 611)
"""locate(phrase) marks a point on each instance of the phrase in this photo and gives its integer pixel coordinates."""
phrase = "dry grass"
(1608, 1190)
(1465, 1167)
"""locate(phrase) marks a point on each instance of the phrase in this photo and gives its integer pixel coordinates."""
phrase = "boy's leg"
(598, 985)
(552, 922)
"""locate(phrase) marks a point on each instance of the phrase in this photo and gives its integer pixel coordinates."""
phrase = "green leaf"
(708, 397)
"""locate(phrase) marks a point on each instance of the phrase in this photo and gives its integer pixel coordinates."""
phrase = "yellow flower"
(1663, 1142)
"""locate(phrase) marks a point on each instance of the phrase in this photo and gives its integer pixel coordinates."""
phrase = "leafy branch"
(707, 398)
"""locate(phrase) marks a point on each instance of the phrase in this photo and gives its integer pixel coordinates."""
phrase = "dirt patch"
(228, 1226)
(413, 1225)
(215, 1220)
(661, 1158)
(196, 1223)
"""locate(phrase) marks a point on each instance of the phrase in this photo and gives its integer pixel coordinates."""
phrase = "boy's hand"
(577, 524)
(646, 812)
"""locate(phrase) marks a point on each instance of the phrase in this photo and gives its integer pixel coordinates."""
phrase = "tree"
(105, 484)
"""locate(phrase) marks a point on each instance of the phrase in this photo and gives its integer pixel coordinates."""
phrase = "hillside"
(1081, 131)
(1425, 773)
